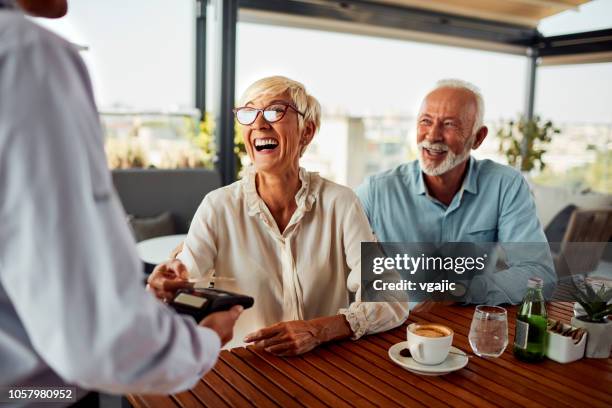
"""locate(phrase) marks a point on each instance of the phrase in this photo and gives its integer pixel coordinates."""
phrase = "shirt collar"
(469, 183)
(420, 182)
(305, 197)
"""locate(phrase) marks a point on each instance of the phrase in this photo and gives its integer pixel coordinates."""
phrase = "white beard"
(451, 160)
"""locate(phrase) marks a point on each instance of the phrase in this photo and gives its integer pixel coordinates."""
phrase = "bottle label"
(520, 335)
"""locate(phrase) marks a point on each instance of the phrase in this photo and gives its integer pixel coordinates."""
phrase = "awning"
(507, 26)
(525, 12)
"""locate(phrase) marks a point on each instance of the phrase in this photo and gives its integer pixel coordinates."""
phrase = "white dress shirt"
(307, 271)
(72, 305)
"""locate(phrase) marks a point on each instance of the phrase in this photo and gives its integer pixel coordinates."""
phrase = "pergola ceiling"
(525, 12)
(508, 26)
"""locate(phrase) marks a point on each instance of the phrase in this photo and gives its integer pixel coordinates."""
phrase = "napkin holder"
(562, 349)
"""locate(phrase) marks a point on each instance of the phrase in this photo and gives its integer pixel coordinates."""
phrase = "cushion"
(552, 200)
(150, 192)
(151, 227)
(555, 231)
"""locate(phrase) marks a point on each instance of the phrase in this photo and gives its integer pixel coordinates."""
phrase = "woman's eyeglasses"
(246, 115)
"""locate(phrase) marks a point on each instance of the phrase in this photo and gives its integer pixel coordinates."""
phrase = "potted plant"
(523, 142)
(594, 296)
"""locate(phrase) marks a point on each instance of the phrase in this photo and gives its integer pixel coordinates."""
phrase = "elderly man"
(448, 196)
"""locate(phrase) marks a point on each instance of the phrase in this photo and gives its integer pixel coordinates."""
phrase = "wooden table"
(359, 373)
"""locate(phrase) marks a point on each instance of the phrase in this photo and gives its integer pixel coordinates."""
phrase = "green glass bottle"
(530, 333)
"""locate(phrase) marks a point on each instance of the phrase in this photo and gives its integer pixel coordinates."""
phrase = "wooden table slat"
(327, 396)
(248, 391)
(152, 401)
(188, 399)
(365, 376)
(324, 379)
(207, 396)
(278, 378)
(422, 396)
(263, 384)
(363, 389)
(225, 390)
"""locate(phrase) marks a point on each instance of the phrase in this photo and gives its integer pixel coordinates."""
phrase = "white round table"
(157, 250)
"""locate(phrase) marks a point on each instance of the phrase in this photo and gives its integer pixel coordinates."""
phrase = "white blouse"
(302, 273)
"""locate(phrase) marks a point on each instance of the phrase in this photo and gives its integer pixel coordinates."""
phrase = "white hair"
(461, 84)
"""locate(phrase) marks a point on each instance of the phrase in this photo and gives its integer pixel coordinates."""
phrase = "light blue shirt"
(494, 204)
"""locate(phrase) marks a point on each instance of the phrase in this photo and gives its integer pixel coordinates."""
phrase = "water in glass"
(489, 331)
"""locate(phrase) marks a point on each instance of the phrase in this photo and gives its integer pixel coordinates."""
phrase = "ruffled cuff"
(356, 318)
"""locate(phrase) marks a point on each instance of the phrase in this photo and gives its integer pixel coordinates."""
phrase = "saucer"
(452, 363)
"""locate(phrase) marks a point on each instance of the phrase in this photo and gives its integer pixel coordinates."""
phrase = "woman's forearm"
(331, 328)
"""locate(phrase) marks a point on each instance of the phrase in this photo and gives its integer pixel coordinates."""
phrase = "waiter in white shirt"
(72, 306)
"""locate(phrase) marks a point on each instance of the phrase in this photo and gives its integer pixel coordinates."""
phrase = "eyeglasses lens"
(271, 114)
(274, 113)
(246, 116)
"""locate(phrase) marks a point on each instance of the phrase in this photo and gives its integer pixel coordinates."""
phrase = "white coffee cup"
(429, 343)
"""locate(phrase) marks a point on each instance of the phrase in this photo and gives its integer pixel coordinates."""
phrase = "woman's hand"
(176, 251)
(299, 336)
(167, 278)
(286, 338)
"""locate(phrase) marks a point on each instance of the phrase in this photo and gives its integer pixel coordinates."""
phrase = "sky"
(141, 55)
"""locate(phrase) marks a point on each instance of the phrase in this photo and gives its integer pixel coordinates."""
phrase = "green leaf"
(602, 314)
(607, 296)
(590, 292)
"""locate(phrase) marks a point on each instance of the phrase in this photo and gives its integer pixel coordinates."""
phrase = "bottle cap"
(535, 283)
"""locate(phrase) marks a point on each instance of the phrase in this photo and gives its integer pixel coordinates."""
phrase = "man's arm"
(526, 250)
(67, 260)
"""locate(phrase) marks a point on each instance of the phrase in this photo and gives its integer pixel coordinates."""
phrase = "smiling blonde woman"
(286, 236)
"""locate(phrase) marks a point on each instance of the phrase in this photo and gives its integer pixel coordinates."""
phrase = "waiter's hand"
(167, 278)
(223, 323)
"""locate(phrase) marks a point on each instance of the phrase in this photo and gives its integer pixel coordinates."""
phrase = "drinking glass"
(489, 331)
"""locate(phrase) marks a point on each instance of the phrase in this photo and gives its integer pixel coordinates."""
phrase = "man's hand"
(299, 336)
(223, 323)
(167, 278)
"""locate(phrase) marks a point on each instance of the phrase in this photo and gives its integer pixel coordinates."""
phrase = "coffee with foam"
(431, 330)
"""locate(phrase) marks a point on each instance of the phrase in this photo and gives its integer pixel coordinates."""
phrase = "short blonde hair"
(276, 85)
